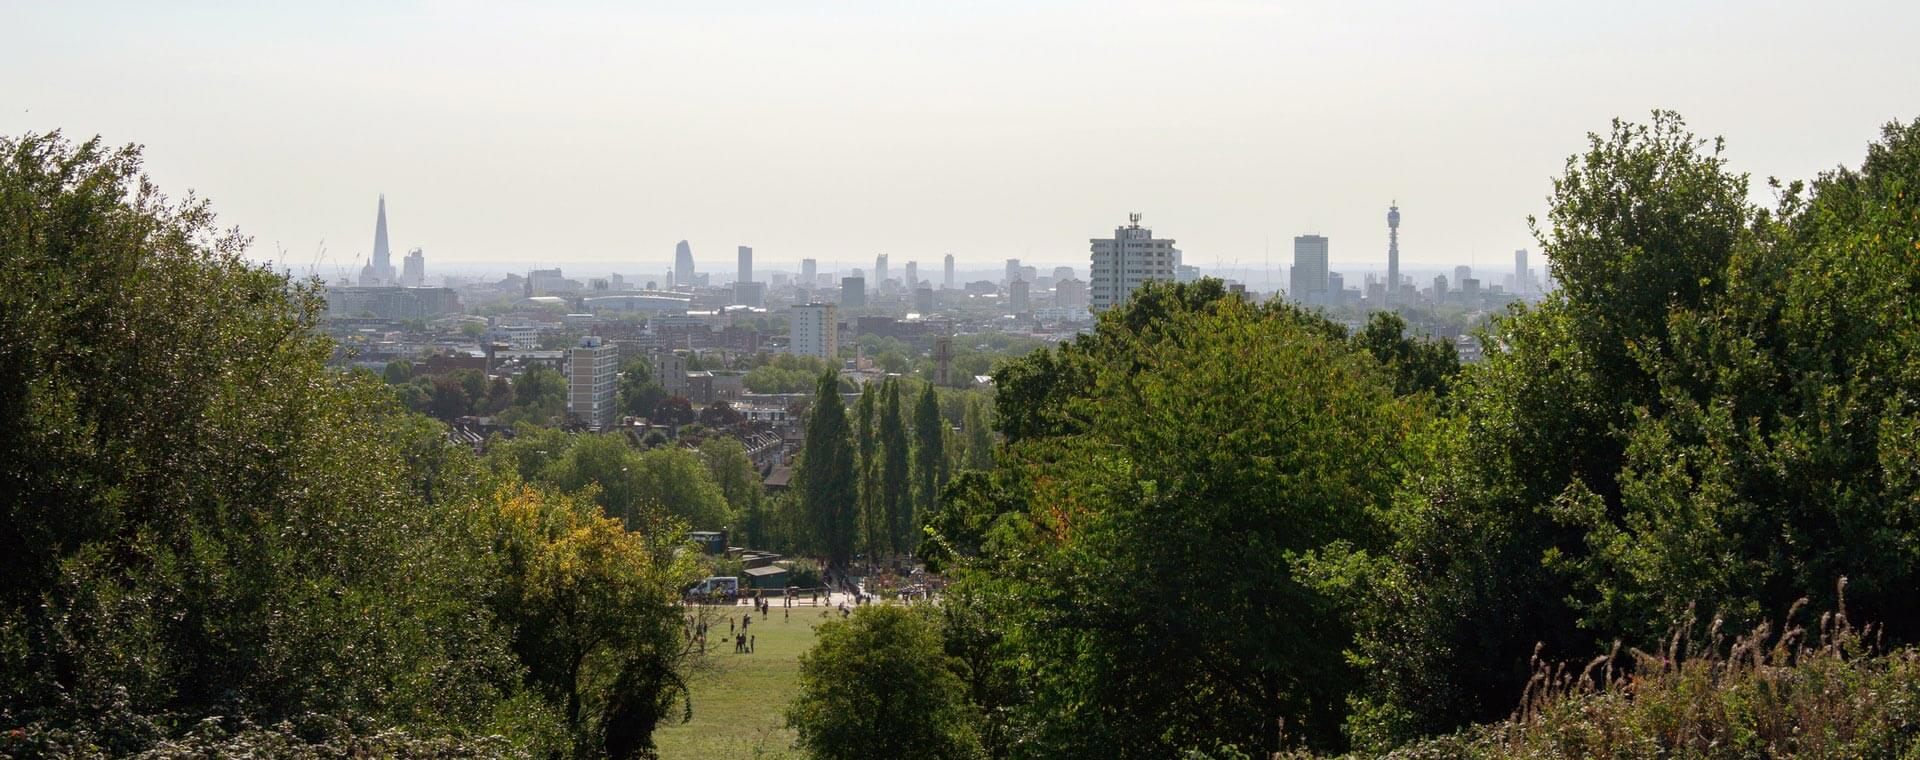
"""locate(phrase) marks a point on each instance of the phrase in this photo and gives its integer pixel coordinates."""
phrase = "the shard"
(379, 271)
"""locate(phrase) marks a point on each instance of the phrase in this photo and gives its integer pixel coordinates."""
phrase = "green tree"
(828, 492)
(1416, 365)
(1224, 474)
(879, 685)
(200, 516)
(979, 436)
(896, 503)
(1488, 542)
(866, 422)
(740, 481)
(540, 393)
(929, 455)
(640, 391)
(397, 371)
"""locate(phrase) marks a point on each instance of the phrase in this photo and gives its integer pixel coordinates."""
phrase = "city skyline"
(839, 134)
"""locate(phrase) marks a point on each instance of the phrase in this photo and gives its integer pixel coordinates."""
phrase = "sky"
(507, 135)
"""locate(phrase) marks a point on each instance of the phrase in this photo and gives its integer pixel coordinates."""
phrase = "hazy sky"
(509, 134)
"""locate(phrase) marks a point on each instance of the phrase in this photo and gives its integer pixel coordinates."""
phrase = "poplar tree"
(929, 454)
(828, 493)
(895, 502)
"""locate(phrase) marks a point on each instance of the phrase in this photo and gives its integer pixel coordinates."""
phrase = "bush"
(1758, 695)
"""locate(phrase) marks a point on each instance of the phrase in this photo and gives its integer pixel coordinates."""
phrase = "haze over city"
(596, 135)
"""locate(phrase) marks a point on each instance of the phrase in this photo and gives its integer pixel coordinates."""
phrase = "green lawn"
(740, 700)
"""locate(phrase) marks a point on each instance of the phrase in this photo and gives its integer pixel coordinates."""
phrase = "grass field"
(740, 700)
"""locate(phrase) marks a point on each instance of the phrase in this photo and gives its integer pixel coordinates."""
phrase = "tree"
(201, 517)
(929, 456)
(1416, 365)
(828, 492)
(674, 410)
(1221, 477)
(640, 391)
(677, 480)
(595, 612)
(979, 436)
(896, 503)
(740, 482)
(1484, 563)
(719, 414)
(872, 517)
(879, 685)
(450, 399)
(397, 371)
(541, 393)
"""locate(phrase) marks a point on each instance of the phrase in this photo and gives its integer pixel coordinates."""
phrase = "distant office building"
(1460, 275)
(752, 294)
(683, 264)
(413, 272)
(1469, 288)
(853, 292)
(1308, 284)
(879, 271)
(391, 302)
(809, 273)
(1336, 288)
(1017, 297)
(1013, 271)
(1070, 293)
(923, 300)
(593, 373)
(912, 280)
(1062, 273)
(1439, 287)
(746, 265)
(948, 282)
(541, 282)
(1393, 249)
(1522, 278)
(813, 330)
(1122, 263)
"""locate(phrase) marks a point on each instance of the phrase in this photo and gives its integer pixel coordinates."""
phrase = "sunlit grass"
(739, 700)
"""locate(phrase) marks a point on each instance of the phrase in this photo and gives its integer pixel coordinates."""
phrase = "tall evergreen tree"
(828, 496)
(870, 516)
(929, 455)
(979, 438)
(895, 502)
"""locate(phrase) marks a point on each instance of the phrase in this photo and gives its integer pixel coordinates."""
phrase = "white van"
(722, 586)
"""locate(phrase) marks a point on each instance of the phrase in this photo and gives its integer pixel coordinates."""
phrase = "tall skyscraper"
(812, 330)
(1522, 279)
(879, 271)
(809, 273)
(413, 271)
(683, 264)
(912, 275)
(1013, 271)
(746, 265)
(853, 292)
(379, 269)
(1121, 263)
(1393, 251)
(948, 282)
(1308, 284)
(1017, 297)
(1461, 273)
(593, 373)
